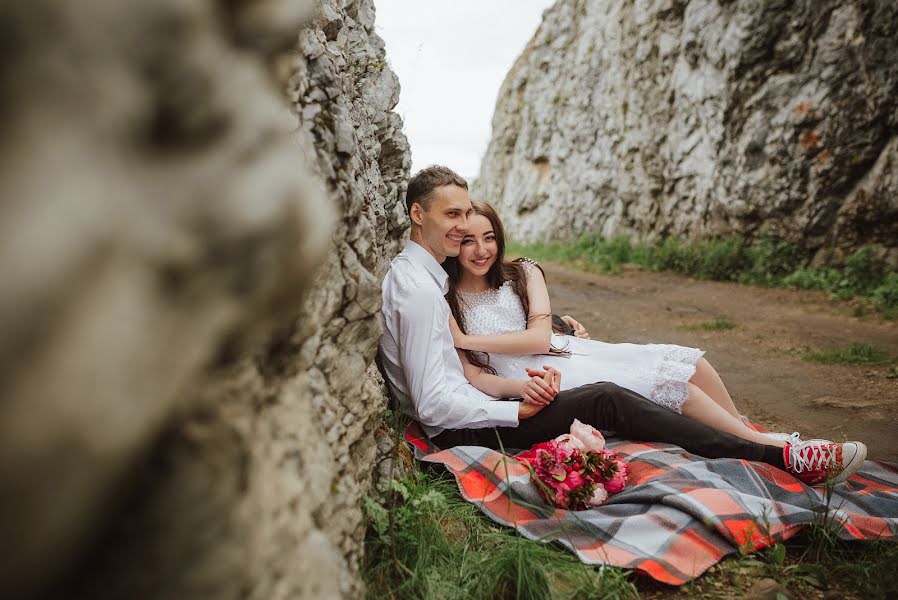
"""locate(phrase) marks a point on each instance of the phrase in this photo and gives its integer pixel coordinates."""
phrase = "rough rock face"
(703, 117)
(184, 411)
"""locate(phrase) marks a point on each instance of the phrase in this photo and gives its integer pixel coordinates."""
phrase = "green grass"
(715, 325)
(855, 354)
(766, 261)
(425, 541)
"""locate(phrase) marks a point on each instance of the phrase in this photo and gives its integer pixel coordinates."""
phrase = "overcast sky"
(451, 58)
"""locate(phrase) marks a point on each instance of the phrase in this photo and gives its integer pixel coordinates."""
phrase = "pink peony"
(599, 495)
(588, 435)
(574, 480)
(561, 497)
(547, 464)
(617, 483)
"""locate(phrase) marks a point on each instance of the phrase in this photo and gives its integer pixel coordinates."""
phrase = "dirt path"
(760, 361)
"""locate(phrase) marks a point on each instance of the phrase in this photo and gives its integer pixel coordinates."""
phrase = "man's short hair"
(425, 181)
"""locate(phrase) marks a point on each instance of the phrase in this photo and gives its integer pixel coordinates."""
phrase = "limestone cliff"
(199, 198)
(703, 117)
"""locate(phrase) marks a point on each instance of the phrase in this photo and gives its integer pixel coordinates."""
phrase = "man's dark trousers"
(610, 407)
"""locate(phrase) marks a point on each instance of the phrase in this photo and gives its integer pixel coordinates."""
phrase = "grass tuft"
(715, 325)
(855, 354)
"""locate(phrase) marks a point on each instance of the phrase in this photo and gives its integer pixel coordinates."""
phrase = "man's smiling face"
(445, 224)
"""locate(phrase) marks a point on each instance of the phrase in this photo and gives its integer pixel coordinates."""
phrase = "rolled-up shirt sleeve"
(423, 327)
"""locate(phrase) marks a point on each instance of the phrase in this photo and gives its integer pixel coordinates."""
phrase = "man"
(426, 374)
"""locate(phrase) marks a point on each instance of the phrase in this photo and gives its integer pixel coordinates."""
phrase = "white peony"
(571, 441)
(588, 435)
(598, 496)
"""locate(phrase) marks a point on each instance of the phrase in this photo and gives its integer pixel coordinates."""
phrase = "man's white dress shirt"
(419, 357)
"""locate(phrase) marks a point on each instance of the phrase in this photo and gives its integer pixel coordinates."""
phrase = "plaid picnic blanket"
(680, 513)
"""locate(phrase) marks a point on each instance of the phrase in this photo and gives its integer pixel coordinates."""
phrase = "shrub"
(722, 259)
(771, 260)
(673, 255)
(826, 279)
(864, 270)
(885, 296)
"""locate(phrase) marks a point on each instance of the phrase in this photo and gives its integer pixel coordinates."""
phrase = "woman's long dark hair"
(500, 272)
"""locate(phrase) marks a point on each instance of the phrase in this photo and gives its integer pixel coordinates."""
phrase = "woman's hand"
(536, 391)
(551, 375)
(458, 338)
(579, 330)
(542, 387)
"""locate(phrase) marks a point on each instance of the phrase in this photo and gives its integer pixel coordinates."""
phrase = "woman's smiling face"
(479, 247)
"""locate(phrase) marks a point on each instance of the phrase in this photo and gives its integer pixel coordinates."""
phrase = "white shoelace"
(812, 455)
(794, 439)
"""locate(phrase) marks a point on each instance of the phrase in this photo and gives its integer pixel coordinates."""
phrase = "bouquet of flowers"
(575, 470)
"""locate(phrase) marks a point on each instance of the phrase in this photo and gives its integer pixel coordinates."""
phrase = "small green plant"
(715, 325)
(775, 557)
(855, 354)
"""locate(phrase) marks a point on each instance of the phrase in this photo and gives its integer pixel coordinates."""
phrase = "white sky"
(451, 57)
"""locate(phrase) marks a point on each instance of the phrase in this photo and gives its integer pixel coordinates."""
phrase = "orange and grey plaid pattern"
(680, 513)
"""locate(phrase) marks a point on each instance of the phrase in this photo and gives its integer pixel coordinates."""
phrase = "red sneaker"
(820, 461)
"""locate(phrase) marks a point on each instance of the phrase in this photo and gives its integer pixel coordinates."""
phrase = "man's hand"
(457, 335)
(527, 410)
(579, 330)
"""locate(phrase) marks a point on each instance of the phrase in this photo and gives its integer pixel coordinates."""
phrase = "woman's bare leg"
(707, 379)
(702, 408)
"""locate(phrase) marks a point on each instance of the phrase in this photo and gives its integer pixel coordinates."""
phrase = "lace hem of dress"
(670, 387)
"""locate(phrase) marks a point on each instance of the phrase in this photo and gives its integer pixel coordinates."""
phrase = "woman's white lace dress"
(660, 372)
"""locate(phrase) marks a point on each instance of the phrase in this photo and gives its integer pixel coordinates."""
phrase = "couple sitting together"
(469, 351)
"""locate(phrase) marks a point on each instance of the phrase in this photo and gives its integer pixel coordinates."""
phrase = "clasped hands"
(542, 387)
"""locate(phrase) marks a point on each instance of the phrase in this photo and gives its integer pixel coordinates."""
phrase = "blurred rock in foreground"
(186, 409)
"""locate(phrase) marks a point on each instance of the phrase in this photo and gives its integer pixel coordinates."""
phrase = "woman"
(503, 327)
